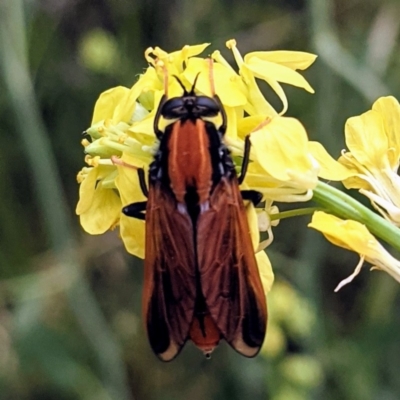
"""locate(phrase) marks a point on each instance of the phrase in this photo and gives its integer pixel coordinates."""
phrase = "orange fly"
(201, 277)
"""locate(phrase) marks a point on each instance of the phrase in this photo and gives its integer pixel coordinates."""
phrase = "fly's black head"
(190, 106)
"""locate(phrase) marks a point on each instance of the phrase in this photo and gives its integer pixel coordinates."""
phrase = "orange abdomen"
(189, 162)
(206, 338)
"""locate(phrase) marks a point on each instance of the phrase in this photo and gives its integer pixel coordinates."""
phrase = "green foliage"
(70, 323)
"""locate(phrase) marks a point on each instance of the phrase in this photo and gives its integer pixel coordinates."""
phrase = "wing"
(169, 283)
(229, 274)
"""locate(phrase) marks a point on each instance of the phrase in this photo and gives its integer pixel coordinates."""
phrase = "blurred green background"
(70, 321)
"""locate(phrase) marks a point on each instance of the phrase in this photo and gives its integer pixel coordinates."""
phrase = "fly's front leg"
(252, 195)
(158, 116)
(142, 182)
(246, 159)
(137, 210)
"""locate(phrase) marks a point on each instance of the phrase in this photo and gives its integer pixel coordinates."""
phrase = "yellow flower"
(174, 62)
(272, 67)
(98, 206)
(227, 83)
(330, 169)
(263, 262)
(372, 162)
(355, 236)
(282, 169)
(131, 229)
(122, 127)
(116, 113)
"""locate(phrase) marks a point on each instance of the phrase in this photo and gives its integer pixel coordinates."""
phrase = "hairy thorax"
(189, 162)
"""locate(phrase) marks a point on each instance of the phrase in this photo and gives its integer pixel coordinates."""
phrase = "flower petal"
(107, 102)
(253, 224)
(263, 263)
(366, 139)
(132, 230)
(103, 213)
(228, 84)
(360, 178)
(277, 88)
(145, 126)
(349, 234)
(232, 118)
(271, 71)
(174, 62)
(330, 168)
(389, 109)
(180, 57)
(291, 59)
(355, 236)
(257, 104)
(124, 110)
(281, 146)
(265, 270)
(190, 51)
(86, 191)
(249, 124)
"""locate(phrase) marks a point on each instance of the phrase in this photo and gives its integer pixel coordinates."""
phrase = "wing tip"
(168, 355)
(244, 349)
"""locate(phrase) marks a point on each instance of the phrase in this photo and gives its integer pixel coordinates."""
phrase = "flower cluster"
(281, 166)
(372, 161)
(371, 165)
(284, 165)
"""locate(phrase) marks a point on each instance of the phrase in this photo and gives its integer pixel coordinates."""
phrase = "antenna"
(185, 92)
(194, 84)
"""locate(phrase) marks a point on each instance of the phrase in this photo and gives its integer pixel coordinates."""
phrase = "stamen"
(122, 138)
(85, 142)
(80, 177)
(147, 55)
(230, 44)
(211, 76)
(92, 161)
(117, 161)
(264, 123)
(165, 71)
(352, 276)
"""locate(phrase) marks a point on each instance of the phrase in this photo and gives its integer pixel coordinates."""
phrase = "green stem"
(344, 206)
(294, 213)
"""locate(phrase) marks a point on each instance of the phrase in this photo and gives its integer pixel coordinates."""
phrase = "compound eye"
(201, 109)
(174, 108)
(206, 106)
(178, 111)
